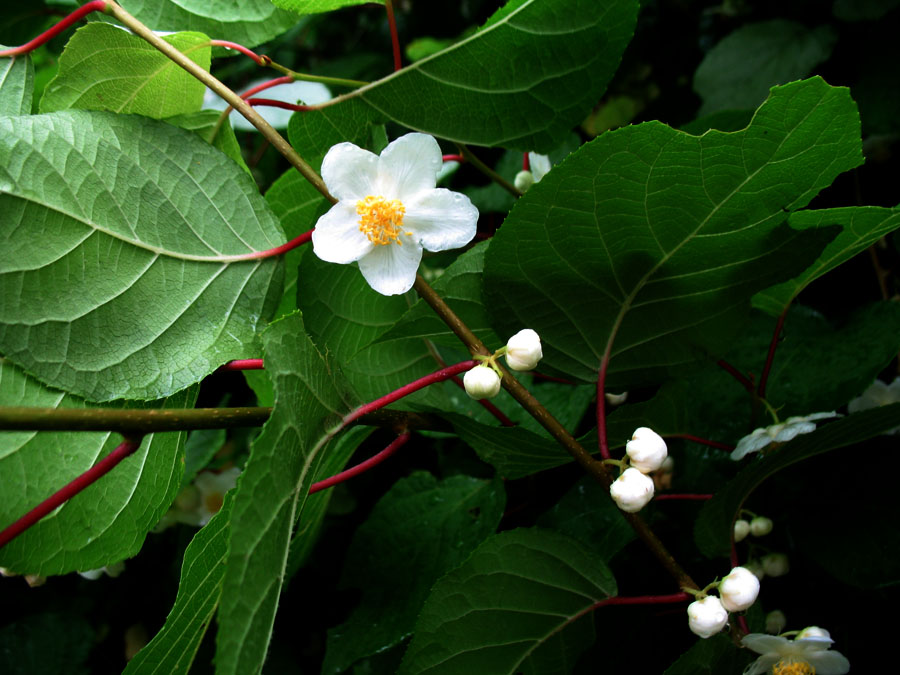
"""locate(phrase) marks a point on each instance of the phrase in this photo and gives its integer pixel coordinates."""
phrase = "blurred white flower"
(539, 166)
(707, 617)
(877, 395)
(778, 433)
(113, 571)
(775, 621)
(779, 653)
(741, 530)
(776, 564)
(389, 210)
(761, 526)
(307, 93)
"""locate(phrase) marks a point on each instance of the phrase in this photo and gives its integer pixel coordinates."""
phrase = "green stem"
(225, 93)
(333, 81)
(487, 171)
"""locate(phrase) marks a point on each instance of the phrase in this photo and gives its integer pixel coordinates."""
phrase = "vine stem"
(299, 240)
(595, 468)
(46, 36)
(736, 374)
(362, 467)
(244, 364)
(770, 356)
(275, 103)
(236, 102)
(260, 60)
(602, 440)
(473, 159)
(395, 40)
(92, 475)
(703, 441)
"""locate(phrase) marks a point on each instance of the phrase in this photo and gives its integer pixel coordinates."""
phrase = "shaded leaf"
(314, 6)
(109, 520)
(167, 209)
(50, 642)
(649, 242)
(106, 68)
(508, 600)
(710, 657)
(16, 85)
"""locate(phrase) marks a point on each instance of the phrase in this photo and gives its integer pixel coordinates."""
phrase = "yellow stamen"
(381, 220)
(796, 668)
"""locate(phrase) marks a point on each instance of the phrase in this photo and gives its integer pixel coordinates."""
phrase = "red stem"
(703, 441)
(46, 36)
(645, 600)
(550, 378)
(736, 374)
(395, 41)
(770, 357)
(260, 60)
(407, 389)
(278, 250)
(244, 364)
(487, 405)
(601, 410)
(526, 162)
(100, 469)
(362, 467)
(274, 103)
(453, 158)
(284, 79)
(685, 497)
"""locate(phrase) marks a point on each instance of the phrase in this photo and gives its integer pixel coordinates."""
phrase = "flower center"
(381, 220)
(796, 668)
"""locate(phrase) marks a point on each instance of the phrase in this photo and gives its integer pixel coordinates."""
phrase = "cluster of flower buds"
(646, 453)
(708, 614)
(759, 526)
(522, 352)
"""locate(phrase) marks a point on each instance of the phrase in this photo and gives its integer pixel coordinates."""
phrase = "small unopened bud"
(481, 382)
(760, 526)
(632, 490)
(523, 180)
(741, 530)
(775, 622)
(813, 633)
(756, 567)
(523, 351)
(617, 399)
(707, 617)
(646, 450)
(776, 564)
(739, 589)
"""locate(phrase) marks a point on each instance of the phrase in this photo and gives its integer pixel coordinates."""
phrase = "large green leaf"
(310, 400)
(314, 6)
(172, 650)
(106, 68)
(205, 123)
(738, 72)
(420, 530)
(109, 520)
(713, 528)
(523, 81)
(863, 226)
(16, 85)
(509, 600)
(248, 22)
(115, 227)
(649, 242)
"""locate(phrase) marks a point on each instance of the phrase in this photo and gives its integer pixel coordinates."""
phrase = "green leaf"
(713, 528)
(522, 82)
(863, 226)
(105, 523)
(315, 6)
(16, 85)
(460, 287)
(310, 400)
(205, 123)
(712, 656)
(249, 22)
(199, 449)
(420, 530)
(738, 72)
(649, 242)
(81, 189)
(172, 650)
(508, 600)
(106, 68)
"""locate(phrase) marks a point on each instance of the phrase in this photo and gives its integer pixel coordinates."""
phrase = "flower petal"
(409, 165)
(829, 663)
(791, 431)
(440, 219)
(764, 644)
(391, 269)
(337, 237)
(540, 165)
(350, 172)
(753, 442)
(762, 665)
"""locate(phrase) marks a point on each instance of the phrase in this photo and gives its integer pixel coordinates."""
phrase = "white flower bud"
(776, 564)
(741, 530)
(523, 351)
(739, 589)
(523, 180)
(632, 490)
(646, 449)
(813, 633)
(707, 617)
(616, 399)
(760, 526)
(775, 622)
(482, 382)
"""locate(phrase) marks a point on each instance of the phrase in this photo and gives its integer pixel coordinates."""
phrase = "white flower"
(646, 450)
(741, 530)
(776, 564)
(877, 395)
(779, 651)
(523, 180)
(113, 571)
(707, 617)
(481, 382)
(539, 166)
(212, 487)
(738, 590)
(632, 490)
(775, 621)
(523, 350)
(761, 526)
(389, 210)
(778, 433)
(308, 93)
